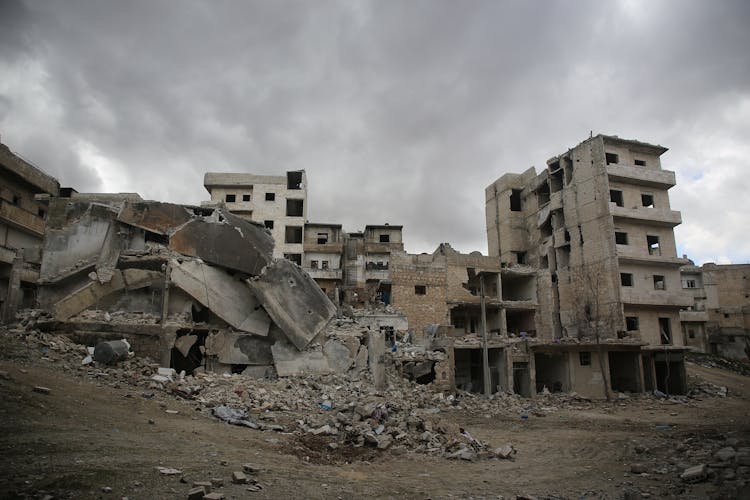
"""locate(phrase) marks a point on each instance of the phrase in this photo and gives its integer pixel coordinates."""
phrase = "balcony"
(655, 298)
(377, 247)
(324, 274)
(646, 215)
(21, 219)
(641, 176)
(377, 274)
(693, 316)
(313, 246)
(637, 255)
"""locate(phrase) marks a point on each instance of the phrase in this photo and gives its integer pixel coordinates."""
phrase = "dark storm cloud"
(401, 112)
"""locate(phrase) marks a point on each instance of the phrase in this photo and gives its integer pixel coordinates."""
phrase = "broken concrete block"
(695, 474)
(239, 477)
(239, 349)
(376, 351)
(111, 351)
(86, 296)
(505, 452)
(184, 343)
(226, 297)
(338, 356)
(153, 216)
(168, 471)
(726, 454)
(196, 493)
(294, 301)
(214, 496)
(41, 390)
(206, 485)
(384, 442)
(288, 361)
(225, 240)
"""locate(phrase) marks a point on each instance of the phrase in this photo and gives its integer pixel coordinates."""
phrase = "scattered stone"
(214, 496)
(197, 493)
(695, 474)
(239, 477)
(638, 468)
(206, 485)
(42, 390)
(251, 468)
(168, 471)
(505, 452)
(217, 482)
(5, 375)
(106, 489)
(725, 454)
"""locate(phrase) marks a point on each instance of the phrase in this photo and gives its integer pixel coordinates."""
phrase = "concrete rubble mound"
(194, 287)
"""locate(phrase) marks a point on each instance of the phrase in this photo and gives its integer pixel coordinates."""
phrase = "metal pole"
(485, 352)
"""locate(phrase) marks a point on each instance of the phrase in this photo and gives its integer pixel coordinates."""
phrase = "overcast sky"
(399, 111)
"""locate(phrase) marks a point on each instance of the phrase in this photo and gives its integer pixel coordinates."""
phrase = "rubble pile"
(713, 361)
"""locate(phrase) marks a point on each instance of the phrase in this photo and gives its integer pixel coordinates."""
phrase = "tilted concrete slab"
(293, 301)
(157, 217)
(239, 348)
(91, 293)
(227, 297)
(227, 241)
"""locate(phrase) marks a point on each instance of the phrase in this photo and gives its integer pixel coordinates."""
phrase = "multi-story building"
(324, 249)
(718, 321)
(598, 223)
(21, 228)
(276, 201)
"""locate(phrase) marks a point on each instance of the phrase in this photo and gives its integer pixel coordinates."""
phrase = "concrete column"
(640, 373)
(166, 341)
(10, 306)
(376, 351)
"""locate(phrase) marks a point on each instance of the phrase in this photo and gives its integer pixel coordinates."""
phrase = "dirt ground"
(86, 435)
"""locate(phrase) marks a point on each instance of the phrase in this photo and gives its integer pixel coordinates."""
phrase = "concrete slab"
(227, 297)
(293, 301)
(227, 241)
(157, 217)
(239, 349)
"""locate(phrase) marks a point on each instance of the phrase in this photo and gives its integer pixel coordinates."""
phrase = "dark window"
(322, 238)
(665, 331)
(653, 245)
(385, 238)
(294, 257)
(270, 196)
(293, 234)
(294, 208)
(230, 198)
(726, 315)
(41, 213)
(631, 323)
(640, 163)
(621, 238)
(515, 200)
(626, 279)
(584, 357)
(659, 283)
(245, 197)
(294, 180)
(16, 200)
(520, 257)
(615, 196)
(647, 200)
(611, 158)
(313, 264)
(324, 264)
(691, 333)
(268, 224)
(690, 284)
(420, 290)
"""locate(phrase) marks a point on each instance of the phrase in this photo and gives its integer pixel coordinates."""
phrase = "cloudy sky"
(399, 111)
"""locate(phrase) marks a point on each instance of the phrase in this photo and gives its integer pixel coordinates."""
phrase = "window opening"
(647, 200)
(324, 264)
(294, 180)
(322, 238)
(631, 323)
(313, 264)
(294, 257)
(611, 158)
(385, 238)
(230, 198)
(621, 238)
(245, 197)
(626, 279)
(268, 224)
(690, 284)
(270, 196)
(640, 163)
(584, 357)
(665, 331)
(420, 290)
(615, 196)
(293, 234)
(659, 283)
(653, 245)
(515, 200)
(520, 257)
(294, 208)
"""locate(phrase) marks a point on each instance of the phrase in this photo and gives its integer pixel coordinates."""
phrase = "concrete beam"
(156, 217)
(293, 301)
(227, 297)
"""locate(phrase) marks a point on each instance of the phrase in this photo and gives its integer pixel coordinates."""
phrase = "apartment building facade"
(22, 222)
(597, 221)
(279, 202)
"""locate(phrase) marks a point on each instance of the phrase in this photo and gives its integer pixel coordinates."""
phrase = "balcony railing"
(642, 176)
(646, 215)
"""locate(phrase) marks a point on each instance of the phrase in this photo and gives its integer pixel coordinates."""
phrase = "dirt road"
(86, 435)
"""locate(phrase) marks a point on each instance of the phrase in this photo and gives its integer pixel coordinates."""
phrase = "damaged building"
(21, 230)
(718, 320)
(192, 287)
(597, 225)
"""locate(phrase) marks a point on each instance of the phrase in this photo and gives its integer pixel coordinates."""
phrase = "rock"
(196, 493)
(214, 496)
(217, 482)
(251, 468)
(168, 471)
(695, 474)
(505, 452)
(463, 454)
(638, 468)
(41, 390)
(5, 375)
(384, 441)
(106, 489)
(206, 485)
(239, 477)
(725, 454)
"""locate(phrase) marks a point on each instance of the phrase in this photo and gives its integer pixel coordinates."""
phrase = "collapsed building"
(192, 287)
(718, 320)
(597, 227)
(21, 230)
